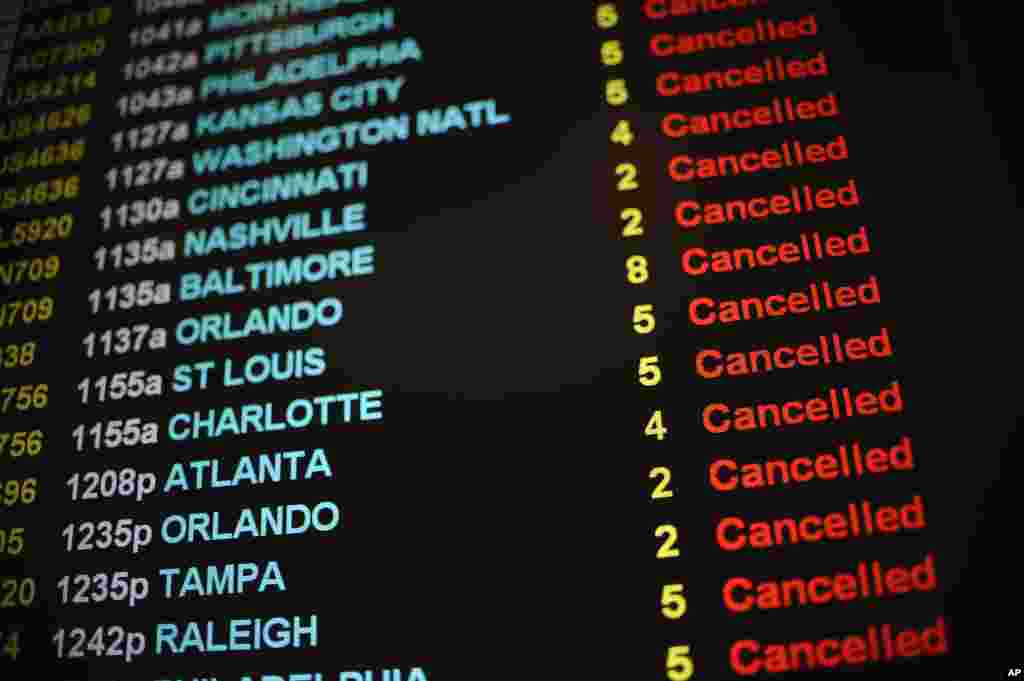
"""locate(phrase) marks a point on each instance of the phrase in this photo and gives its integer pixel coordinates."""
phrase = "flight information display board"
(370, 341)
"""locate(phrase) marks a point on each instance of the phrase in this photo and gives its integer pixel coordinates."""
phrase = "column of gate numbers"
(679, 665)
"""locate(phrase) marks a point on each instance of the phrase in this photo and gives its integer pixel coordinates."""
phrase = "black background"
(497, 523)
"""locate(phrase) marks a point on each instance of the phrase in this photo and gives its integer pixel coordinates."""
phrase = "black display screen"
(372, 341)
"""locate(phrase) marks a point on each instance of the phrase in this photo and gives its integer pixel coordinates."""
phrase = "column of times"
(770, 383)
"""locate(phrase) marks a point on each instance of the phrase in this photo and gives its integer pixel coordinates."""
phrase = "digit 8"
(636, 269)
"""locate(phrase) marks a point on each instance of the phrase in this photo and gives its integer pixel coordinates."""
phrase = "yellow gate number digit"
(615, 92)
(634, 218)
(673, 602)
(649, 372)
(607, 16)
(668, 547)
(679, 665)
(643, 319)
(11, 647)
(664, 477)
(636, 269)
(656, 426)
(622, 133)
(627, 181)
(611, 53)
